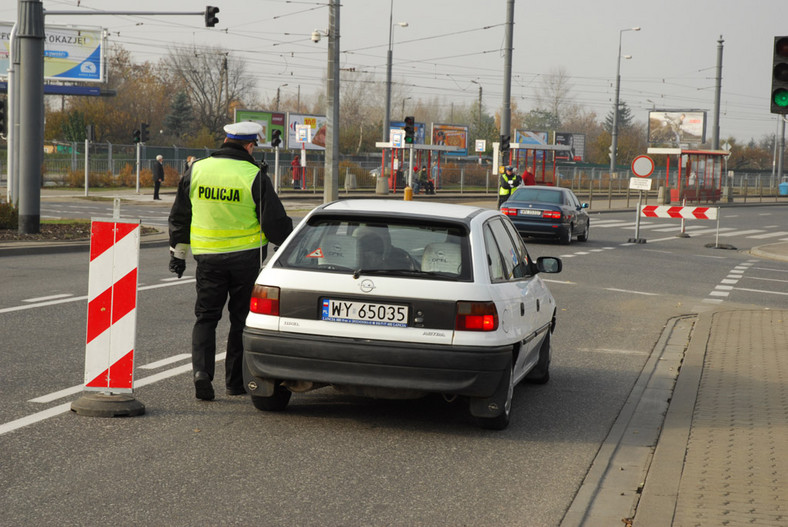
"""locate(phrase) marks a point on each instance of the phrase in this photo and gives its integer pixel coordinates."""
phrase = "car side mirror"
(549, 264)
(584, 206)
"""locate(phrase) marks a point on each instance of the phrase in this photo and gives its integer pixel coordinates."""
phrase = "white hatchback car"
(398, 299)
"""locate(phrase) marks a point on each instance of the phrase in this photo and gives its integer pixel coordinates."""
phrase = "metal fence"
(116, 165)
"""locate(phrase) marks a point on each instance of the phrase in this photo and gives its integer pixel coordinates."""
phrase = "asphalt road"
(331, 459)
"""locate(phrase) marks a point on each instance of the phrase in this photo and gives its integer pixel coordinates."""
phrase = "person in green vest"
(509, 181)
(227, 211)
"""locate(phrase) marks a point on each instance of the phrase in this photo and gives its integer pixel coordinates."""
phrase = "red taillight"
(508, 211)
(265, 300)
(476, 316)
(553, 214)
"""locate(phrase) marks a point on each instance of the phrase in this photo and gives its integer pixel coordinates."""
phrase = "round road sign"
(642, 166)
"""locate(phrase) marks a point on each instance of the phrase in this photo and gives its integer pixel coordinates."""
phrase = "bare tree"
(215, 82)
(553, 93)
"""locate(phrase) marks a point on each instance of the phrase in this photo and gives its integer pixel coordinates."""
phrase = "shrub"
(9, 216)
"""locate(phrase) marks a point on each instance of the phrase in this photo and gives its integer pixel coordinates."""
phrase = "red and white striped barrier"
(687, 213)
(112, 306)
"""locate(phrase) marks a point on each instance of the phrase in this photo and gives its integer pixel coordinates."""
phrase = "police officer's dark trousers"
(220, 275)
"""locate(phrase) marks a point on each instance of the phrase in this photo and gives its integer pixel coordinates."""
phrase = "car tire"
(540, 374)
(274, 403)
(584, 237)
(501, 421)
(566, 236)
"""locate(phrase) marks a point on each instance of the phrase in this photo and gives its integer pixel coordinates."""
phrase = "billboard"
(676, 127)
(577, 143)
(531, 138)
(270, 121)
(317, 128)
(451, 135)
(419, 132)
(70, 54)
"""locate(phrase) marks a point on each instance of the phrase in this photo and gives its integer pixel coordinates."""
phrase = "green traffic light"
(780, 97)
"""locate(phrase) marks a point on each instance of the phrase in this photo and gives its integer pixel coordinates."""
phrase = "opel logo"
(366, 285)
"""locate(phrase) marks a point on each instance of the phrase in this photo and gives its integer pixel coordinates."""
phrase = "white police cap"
(243, 131)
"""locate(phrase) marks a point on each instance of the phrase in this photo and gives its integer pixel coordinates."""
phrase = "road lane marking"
(45, 298)
(761, 291)
(79, 298)
(631, 291)
(165, 362)
(37, 417)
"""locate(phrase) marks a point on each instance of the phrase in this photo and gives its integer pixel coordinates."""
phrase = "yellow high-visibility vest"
(224, 218)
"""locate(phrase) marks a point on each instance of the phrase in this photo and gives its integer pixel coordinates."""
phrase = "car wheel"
(540, 374)
(566, 238)
(584, 237)
(505, 390)
(274, 403)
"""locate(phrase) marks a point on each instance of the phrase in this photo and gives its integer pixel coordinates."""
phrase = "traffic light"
(136, 136)
(210, 16)
(504, 149)
(276, 138)
(410, 130)
(2, 117)
(779, 100)
(144, 132)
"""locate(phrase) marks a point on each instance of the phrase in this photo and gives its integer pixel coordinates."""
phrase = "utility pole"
(31, 106)
(331, 167)
(506, 108)
(715, 134)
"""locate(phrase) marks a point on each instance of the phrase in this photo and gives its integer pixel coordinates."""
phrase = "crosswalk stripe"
(770, 235)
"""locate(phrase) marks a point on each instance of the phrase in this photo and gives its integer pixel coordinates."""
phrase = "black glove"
(177, 265)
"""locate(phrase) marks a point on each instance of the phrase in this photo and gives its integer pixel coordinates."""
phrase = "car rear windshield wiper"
(405, 272)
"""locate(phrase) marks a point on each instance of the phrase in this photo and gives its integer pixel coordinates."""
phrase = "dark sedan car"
(548, 211)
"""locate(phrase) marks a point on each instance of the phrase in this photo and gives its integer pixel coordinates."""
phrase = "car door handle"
(522, 309)
(537, 305)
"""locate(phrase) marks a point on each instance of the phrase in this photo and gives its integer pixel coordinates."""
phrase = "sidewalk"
(722, 457)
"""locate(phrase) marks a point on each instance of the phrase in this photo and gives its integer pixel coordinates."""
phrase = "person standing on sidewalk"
(226, 210)
(158, 176)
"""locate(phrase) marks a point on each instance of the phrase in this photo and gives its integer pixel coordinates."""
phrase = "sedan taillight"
(552, 214)
(509, 211)
(265, 300)
(476, 316)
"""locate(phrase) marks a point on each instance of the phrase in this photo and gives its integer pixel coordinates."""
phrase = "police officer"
(509, 181)
(227, 210)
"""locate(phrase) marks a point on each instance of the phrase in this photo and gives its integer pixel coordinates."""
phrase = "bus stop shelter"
(418, 155)
(699, 173)
(537, 156)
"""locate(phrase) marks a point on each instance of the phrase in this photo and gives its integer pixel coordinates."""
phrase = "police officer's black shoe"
(203, 389)
(236, 390)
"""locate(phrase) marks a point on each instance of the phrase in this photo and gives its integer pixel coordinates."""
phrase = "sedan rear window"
(539, 195)
(383, 246)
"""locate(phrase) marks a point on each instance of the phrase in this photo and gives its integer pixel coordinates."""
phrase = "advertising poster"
(270, 121)
(70, 54)
(419, 132)
(317, 126)
(531, 138)
(451, 135)
(577, 143)
(676, 127)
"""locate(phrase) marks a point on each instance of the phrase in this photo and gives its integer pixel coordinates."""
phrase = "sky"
(451, 47)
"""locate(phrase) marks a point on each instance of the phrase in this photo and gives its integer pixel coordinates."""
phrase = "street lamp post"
(402, 110)
(479, 124)
(614, 134)
(277, 95)
(387, 115)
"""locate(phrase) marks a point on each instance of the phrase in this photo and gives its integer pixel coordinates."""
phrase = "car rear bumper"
(539, 228)
(466, 370)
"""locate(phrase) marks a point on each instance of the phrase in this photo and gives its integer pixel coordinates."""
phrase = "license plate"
(364, 313)
(530, 212)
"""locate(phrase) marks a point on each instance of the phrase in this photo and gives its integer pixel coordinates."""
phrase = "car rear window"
(395, 246)
(540, 195)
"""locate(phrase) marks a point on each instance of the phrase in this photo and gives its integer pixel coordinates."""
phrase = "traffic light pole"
(138, 167)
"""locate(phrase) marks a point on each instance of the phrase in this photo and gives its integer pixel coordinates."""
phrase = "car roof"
(424, 209)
